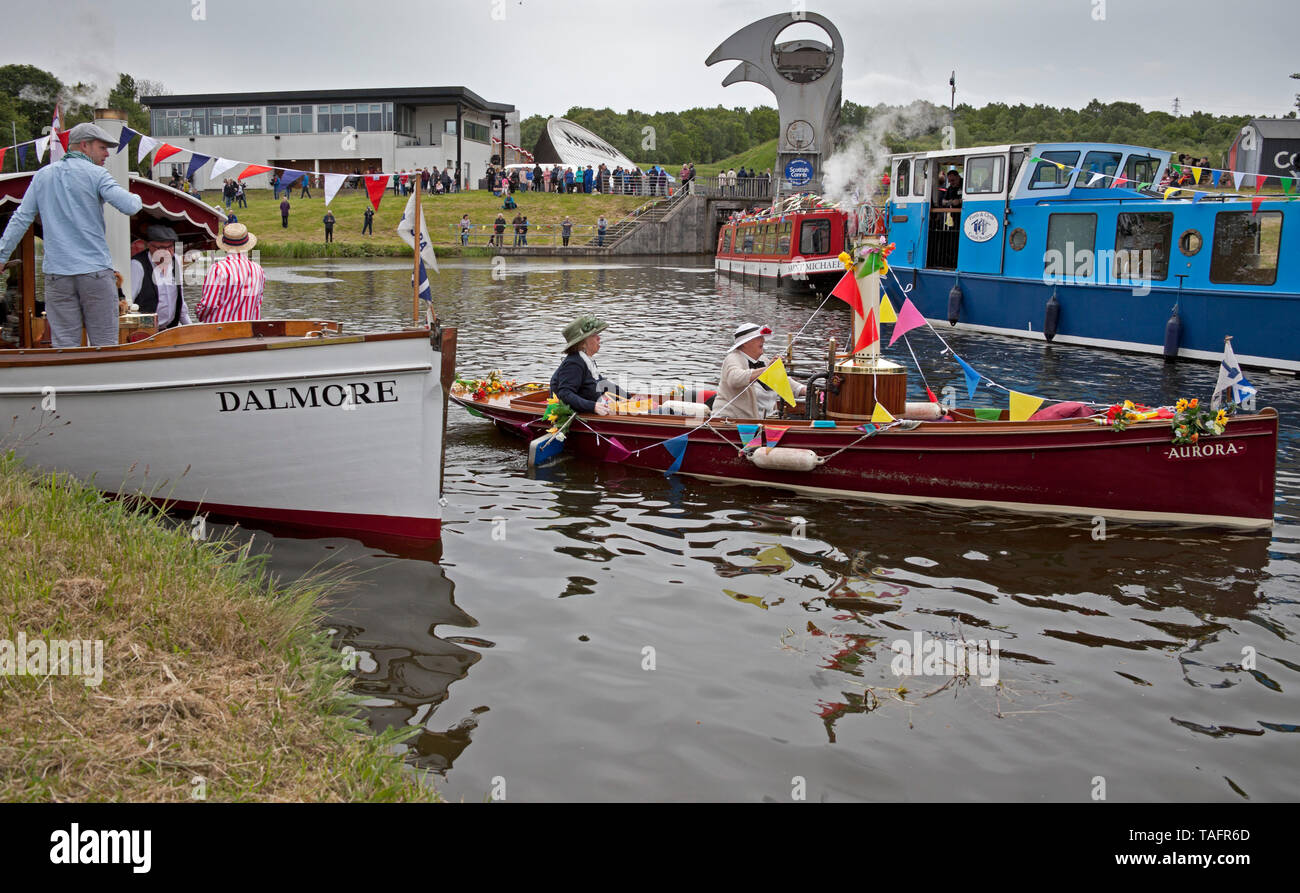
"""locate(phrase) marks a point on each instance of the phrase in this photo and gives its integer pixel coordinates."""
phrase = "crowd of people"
(588, 180)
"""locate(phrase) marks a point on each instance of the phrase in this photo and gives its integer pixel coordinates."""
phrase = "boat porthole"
(1190, 242)
(1018, 239)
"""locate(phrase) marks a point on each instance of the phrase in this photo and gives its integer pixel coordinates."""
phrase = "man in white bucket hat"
(740, 394)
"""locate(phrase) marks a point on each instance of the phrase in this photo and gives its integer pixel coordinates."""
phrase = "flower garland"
(560, 415)
(494, 384)
(1191, 421)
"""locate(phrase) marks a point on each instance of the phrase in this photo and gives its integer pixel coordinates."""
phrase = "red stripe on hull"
(345, 523)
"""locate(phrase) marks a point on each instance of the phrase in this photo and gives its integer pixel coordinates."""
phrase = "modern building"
(339, 131)
(1269, 146)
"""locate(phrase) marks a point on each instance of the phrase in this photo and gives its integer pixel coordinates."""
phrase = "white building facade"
(336, 131)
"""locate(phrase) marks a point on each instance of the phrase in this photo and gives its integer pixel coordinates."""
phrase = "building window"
(1245, 247)
(477, 132)
(449, 126)
(1142, 244)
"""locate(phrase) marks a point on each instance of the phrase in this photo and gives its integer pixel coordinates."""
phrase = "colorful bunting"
(887, 313)
(22, 155)
(972, 377)
(677, 449)
(220, 166)
(868, 428)
(1215, 176)
(375, 186)
(772, 434)
(2, 159)
(147, 145)
(748, 434)
(196, 161)
(333, 183)
(1023, 405)
(1254, 204)
(1237, 177)
(1096, 175)
(986, 414)
(289, 177)
(870, 333)
(908, 318)
(881, 416)
(58, 145)
(63, 140)
(1170, 191)
(1196, 175)
(847, 291)
(41, 145)
(1288, 185)
(776, 379)
(253, 170)
(616, 452)
(1260, 181)
(125, 138)
(166, 150)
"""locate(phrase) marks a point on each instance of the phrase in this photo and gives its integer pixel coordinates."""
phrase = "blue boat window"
(1142, 244)
(903, 177)
(1071, 244)
(1046, 175)
(1140, 169)
(1246, 247)
(1095, 162)
(814, 237)
(984, 175)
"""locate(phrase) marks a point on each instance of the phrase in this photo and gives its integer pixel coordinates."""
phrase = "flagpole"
(415, 277)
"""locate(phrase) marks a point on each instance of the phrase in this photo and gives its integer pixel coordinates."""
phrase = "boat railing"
(721, 186)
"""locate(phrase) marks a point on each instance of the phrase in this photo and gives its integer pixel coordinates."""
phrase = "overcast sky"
(544, 56)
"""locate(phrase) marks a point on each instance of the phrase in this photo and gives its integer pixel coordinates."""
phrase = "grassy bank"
(214, 678)
(262, 217)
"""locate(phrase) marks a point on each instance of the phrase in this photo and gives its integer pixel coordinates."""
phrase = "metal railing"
(722, 187)
(537, 235)
(607, 185)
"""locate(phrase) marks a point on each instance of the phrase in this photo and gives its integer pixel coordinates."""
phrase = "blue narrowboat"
(1072, 242)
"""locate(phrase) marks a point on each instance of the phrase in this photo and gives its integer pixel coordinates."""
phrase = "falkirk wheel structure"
(806, 77)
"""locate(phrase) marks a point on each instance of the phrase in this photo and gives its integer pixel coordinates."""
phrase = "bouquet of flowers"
(560, 415)
(1191, 420)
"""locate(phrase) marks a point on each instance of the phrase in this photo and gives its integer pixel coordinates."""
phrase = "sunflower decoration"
(1192, 421)
(559, 414)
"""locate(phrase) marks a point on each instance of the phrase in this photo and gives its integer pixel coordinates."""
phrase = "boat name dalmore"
(347, 395)
(1204, 450)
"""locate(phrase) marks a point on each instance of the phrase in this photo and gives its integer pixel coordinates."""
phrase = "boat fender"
(954, 303)
(925, 411)
(683, 407)
(1052, 316)
(784, 459)
(1173, 334)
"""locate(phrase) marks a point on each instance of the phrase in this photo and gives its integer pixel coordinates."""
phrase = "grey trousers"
(86, 299)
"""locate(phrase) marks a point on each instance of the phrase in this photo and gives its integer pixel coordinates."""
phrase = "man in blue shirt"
(69, 194)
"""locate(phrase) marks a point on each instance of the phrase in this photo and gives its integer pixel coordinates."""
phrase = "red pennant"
(1254, 205)
(63, 138)
(251, 171)
(1260, 181)
(165, 151)
(375, 186)
(3, 150)
(847, 291)
(929, 393)
(870, 332)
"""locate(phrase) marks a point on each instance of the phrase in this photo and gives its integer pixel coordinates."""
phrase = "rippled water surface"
(523, 656)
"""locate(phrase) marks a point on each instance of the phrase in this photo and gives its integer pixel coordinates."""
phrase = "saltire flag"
(375, 186)
(147, 145)
(847, 291)
(57, 146)
(749, 435)
(1231, 376)
(972, 377)
(1023, 405)
(165, 151)
(677, 449)
(425, 293)
(870, 333)
(196, 161)
(406, 229)
(220, 166)
(333, 183)
(908, 318)
(125, 138)
(775, 378)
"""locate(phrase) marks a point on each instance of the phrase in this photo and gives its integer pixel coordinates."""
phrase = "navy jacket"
(573, 383)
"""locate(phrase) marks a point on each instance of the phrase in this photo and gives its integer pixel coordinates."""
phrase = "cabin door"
(944, 225)
(983, 205)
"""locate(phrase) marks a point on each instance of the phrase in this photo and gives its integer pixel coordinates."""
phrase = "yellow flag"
(887, 313)
(1196, 175)
(776, 379)
(1023, 405)
(1170, 191)
(881, 416)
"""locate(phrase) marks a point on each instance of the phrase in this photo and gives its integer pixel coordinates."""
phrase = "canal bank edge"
(158, 666)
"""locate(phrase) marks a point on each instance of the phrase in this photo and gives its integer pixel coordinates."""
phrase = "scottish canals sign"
(349, 396)
(799, 171)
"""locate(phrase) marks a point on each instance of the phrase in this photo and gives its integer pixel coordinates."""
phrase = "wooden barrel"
(862, 386)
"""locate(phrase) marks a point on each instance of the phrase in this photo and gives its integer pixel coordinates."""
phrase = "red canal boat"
(795, 247)
(1072, 466)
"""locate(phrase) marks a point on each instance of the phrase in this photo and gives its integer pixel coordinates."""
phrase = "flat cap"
(83, 132)
(156, 232)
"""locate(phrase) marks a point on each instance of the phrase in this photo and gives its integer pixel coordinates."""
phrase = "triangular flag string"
(333, 183)
(776, 379)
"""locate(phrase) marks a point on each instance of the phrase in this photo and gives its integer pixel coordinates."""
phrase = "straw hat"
(581, 329)
(748, 332)
(236, 238)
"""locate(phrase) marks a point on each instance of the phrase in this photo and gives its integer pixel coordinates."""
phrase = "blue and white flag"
(406, 229)
(1231, 376)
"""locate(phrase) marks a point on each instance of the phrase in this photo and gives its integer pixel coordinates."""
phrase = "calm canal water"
(522, 654)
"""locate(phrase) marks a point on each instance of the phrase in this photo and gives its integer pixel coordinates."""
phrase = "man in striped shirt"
(233, 287)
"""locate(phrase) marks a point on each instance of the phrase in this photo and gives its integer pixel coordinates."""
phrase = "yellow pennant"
(776, 379)
(1023, 405)
(887, 313)
(1196, 175)
(881, 416)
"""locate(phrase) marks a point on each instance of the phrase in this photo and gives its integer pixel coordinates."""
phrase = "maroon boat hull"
(1075, 467)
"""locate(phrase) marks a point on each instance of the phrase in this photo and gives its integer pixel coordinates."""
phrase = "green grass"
(211, 669)
(305, 236)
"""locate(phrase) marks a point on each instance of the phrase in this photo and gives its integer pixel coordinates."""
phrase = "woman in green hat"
(577, 381)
